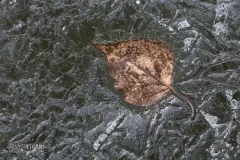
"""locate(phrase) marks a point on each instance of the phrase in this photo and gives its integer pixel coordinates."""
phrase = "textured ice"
(220, 28)
(170, 29)
(234, 104)
(188, 43)
(212, 120)
(183, 24)
(55, 89)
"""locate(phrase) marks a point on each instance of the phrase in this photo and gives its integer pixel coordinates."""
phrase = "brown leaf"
(142, 69)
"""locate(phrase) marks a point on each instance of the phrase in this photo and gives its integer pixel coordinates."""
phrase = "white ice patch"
(213, 151)
(114, 124)
(188, 43)
(222, 10)
(212, 120)
(170, 29)
(110, 127)
(11, 2)
(234, 103)
(183, 24)
(100, 139)
(18, 26)
(220, 28)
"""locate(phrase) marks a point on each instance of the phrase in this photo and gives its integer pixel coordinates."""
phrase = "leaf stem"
(172, 89)
(186, 100)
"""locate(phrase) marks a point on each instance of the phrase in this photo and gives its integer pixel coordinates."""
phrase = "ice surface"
(55, 89)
